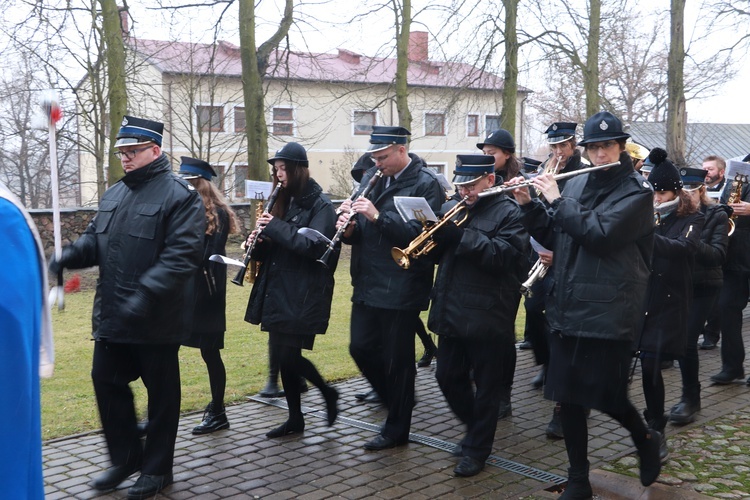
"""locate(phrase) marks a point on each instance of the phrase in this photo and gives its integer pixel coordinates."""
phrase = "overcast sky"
(324, 28)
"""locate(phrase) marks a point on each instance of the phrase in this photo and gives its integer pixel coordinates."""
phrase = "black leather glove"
(55, 266)
(449, 234)
(138, 307)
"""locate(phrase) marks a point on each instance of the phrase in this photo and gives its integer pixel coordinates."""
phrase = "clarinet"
(340, 232)
(240, 278)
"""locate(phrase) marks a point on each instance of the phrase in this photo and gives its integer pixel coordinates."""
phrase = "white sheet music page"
(414, 208)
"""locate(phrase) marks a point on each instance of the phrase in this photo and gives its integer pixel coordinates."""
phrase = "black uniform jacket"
(670, 286)
(211, 281)
(738, 256)
(478, 282)
(712, 247)
(378, 281)
(292, 293)
(601, 231)
(147, 239)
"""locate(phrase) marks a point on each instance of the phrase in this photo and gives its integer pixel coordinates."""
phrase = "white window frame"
(374, 113)
(198, 126)
(272, 122)
(445, 123)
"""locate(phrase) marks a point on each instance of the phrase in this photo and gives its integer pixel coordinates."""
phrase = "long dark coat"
(476, 291)
(601, 231)
(670, 288)
(378, 281)
(292, 293)
(210, 288)
(147, 239)
(712, 247)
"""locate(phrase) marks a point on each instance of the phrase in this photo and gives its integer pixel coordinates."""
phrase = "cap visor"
(460, 180)
(378, 147)
(130, 141)
(558, 140)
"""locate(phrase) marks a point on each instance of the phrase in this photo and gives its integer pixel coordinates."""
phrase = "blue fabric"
(20, 326)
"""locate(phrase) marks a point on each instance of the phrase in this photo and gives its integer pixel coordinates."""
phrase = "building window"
(472, 126)
(363, 122)
(210, 118)
(434, 124)
(219, 179)
(438, 168)
(491, 123)
(240, 176)
(239, 119)
(283, 121)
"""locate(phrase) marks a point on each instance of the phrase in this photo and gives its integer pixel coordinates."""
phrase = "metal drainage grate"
(493, 460)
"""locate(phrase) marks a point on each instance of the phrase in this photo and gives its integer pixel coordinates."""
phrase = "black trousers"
(704, 300)
(732, 301)
(382, 345)
(115, 366)
(536, 328)
(478, 410)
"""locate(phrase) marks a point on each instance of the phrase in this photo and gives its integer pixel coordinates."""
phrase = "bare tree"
(114, 52)
(254, 65)
(510, 82)
(676, 114)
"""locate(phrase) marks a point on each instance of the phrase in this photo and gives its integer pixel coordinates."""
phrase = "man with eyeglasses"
(147, 239)
(387, 299)
(602, 232)
(474, 302)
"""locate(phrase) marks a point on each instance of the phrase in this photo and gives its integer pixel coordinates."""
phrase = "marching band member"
(387, 299)
(474, 304)
(707, 279)
(291, 297)
(664, 332)
(601, 230)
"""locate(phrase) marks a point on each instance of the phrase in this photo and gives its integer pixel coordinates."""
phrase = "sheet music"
(414, 208)
(735, 167)
(258, 190)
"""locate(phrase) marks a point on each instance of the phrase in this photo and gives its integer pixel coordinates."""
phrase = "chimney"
(418, 46)
(124, 21)
(348, 56)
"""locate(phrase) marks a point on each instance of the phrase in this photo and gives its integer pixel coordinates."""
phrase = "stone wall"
(73, 222)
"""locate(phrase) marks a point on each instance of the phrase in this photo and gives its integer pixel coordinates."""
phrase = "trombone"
(423, 243)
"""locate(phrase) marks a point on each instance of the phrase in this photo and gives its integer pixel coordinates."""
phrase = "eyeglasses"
(130, 154)
(600, 145)
(381, 158)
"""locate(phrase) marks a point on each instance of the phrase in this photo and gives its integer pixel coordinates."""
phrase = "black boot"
(649, 454)
(578, 487)
(538, 381)
(686, 410)
(426, 358)
(506, 409)
(214, 419)
(658, 425)
(271, 390)
(554, 428)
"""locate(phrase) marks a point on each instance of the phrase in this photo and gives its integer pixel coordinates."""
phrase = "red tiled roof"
(223, 58)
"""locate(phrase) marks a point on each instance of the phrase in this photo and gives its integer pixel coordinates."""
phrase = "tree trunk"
(676, 115)
(510, 81)
(254, 66)
(591, 73)
(403, 32)
(118, 98)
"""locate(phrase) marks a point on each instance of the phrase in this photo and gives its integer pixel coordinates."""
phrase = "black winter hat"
(500, 138)
(603, 126)
(291, 151)
(664, 176)
(362, 165)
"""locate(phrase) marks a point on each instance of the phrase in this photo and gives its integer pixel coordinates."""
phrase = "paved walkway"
(329, 462)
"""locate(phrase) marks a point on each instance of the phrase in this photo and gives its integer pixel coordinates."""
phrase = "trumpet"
(340, 232)
(240, 277)
(537, 272)
(504, 188)
(424, 244)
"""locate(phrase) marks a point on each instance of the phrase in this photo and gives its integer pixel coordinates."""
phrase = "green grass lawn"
(68, 405)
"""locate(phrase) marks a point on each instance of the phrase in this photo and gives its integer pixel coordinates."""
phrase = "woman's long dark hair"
(297, 176)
